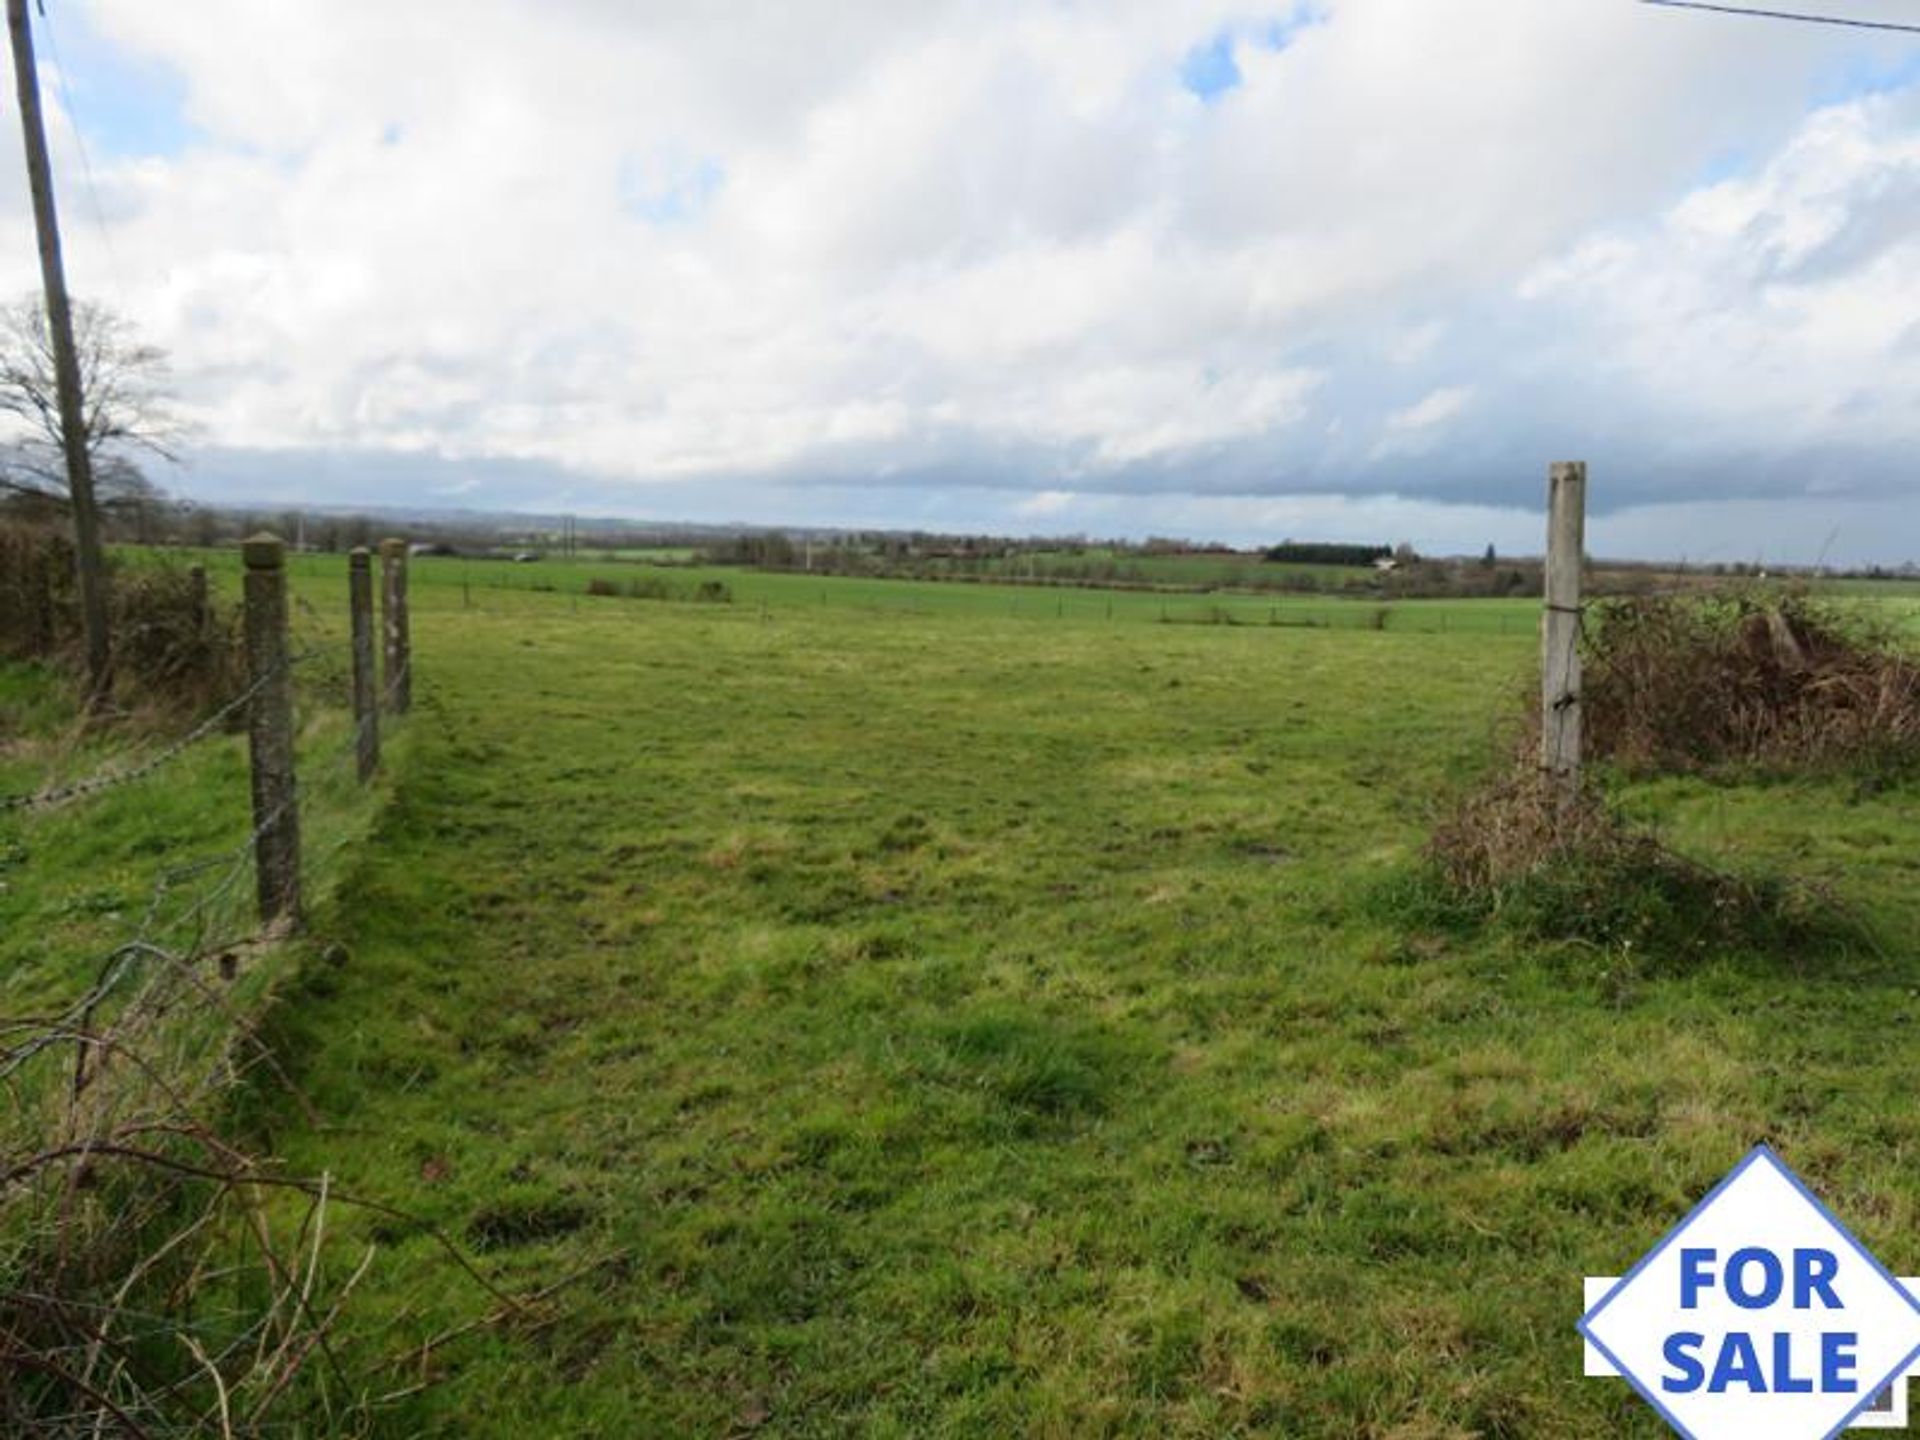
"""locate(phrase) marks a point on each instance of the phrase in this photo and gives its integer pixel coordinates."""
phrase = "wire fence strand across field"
(48, 798)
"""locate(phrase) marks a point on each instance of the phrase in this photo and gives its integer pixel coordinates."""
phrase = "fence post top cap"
(359, 554)
(393, 547)
(263, 551)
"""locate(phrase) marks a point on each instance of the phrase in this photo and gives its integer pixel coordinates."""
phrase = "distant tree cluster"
(773, 550)
(1320, 552)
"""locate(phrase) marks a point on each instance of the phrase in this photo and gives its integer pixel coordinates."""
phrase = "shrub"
(716, 592)
(173, 646)
(170, 648)
(36, 570)
(1781, 681)
(597, 586)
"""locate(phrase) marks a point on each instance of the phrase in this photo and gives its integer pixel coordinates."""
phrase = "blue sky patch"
(124, 104)
(1869, 74)
(1730, 164)
(667, 194)
(1212, 69)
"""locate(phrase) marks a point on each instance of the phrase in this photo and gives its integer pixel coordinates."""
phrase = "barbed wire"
(48, 799)
(157, 1126)
(125, 960)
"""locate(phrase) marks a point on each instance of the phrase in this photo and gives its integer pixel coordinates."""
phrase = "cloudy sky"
(1352, 269)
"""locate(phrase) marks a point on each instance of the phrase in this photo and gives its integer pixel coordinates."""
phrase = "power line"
(1843, 20)
(86, 160)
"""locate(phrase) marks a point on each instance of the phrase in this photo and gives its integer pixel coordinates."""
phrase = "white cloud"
(1436, 408)
(1414, 345)
(1773, 311)
(1000, 245)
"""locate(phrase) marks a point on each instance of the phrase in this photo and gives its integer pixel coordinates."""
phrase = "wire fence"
(116, 1175)
(118, 772)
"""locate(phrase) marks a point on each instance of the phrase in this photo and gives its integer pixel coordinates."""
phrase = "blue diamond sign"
(1758, 1316)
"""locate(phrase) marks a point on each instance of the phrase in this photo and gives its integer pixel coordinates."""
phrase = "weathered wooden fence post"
(366, 685)
(1560, 630)
(393, 613)
(276, 813)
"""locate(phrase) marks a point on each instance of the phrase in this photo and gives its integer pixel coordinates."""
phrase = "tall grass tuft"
(1517, 853)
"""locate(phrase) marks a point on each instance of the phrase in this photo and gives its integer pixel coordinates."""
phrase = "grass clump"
(1773, 681)
(1518, 852)
(1031, 1072)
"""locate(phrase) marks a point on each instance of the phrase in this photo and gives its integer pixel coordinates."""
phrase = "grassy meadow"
(482, 583)
(941, 1009)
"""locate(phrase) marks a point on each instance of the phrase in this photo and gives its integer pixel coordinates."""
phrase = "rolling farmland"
(946, 1009)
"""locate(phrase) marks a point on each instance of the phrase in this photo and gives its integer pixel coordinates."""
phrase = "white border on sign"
(1596, 1366)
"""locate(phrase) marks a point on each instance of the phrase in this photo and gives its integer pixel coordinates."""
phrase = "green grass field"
(953, 1010)
(478, 584)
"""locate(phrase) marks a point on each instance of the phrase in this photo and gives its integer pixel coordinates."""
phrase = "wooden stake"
(1560, 629)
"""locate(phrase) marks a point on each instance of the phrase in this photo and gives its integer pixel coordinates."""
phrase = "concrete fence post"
(366, 685)
(1560, 630)
(276, 813)
(393, 610)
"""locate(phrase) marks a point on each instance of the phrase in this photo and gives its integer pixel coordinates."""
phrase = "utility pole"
(90, 571)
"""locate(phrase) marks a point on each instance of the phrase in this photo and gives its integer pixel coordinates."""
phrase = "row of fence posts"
(270, 729)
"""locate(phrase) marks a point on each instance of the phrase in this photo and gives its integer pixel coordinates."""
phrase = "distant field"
(1093, 563)
(1906, 591)
(650, 555)
(968, 1010)
(480, 583)
(1195, 569)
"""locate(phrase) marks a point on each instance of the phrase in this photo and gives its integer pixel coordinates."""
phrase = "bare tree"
(125, 401)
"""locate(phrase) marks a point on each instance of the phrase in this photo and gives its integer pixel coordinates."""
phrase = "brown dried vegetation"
(1771, 681)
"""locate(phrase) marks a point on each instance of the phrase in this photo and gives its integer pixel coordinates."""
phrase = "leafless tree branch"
(126, 399)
